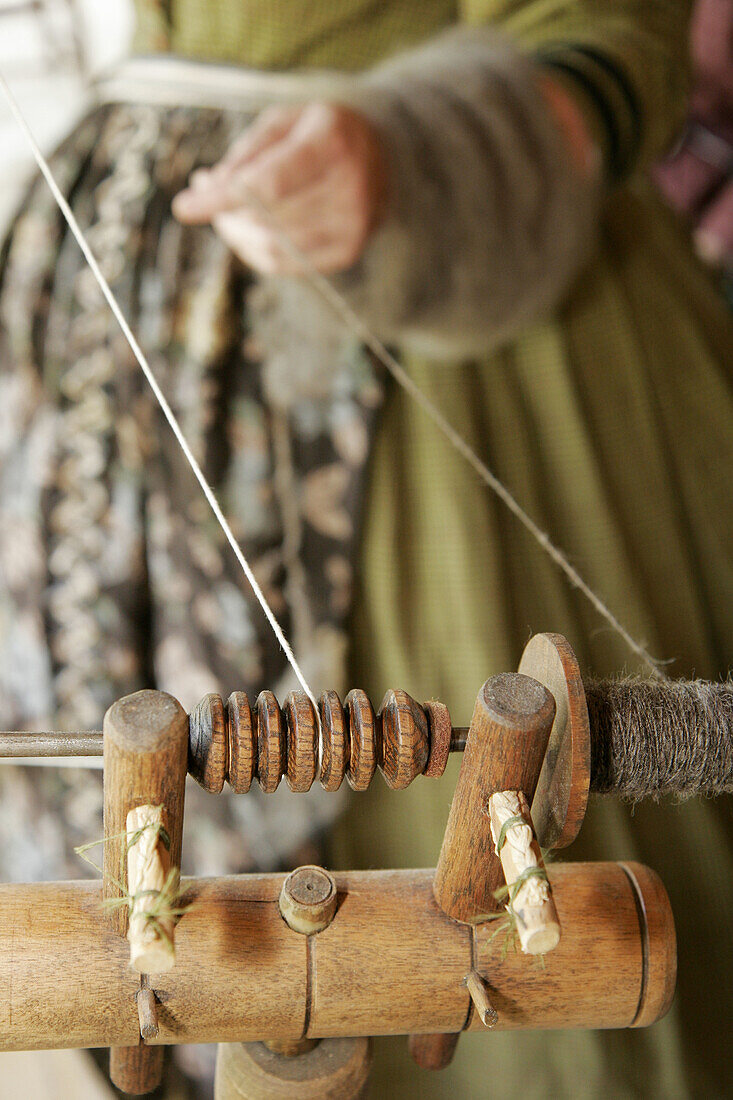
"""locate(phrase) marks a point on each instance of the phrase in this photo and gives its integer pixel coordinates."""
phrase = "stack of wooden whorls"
(292, 974)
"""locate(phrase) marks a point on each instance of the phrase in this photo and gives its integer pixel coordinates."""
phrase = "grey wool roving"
(669, 737)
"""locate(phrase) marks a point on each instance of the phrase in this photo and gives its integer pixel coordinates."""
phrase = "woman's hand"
(318, 170)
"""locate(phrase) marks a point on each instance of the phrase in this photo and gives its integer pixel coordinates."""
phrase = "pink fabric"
(697, 179)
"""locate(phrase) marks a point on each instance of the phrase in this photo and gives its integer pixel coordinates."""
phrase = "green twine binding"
(527, 873)
(164, 906)
(510, 822)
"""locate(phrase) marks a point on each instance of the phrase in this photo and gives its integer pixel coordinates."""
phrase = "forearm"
(490, 214)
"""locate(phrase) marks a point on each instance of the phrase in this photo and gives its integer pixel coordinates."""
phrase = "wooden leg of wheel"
(136, 1070)
(433, 1051)
(335, 1069)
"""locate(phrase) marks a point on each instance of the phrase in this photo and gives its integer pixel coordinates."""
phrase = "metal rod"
(15, 744)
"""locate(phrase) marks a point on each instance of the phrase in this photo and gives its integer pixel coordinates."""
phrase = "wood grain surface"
(504, 751)
(391, 962)
(560, 801)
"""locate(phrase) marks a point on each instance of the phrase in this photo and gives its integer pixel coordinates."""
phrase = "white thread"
(339, 304)
(159, 395)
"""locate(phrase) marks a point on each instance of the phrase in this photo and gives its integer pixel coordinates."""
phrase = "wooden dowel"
(506, 745)
(147, 1013)
(486, 1012)
(242, 974)
(530, 897)
(16, 745)
(152, 887)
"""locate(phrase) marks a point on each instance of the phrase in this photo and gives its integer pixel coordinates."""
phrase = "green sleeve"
(624, 61)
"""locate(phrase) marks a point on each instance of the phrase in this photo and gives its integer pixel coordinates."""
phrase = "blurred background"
(49, 52)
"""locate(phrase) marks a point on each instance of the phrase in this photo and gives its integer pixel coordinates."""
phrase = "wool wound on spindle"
(650, 738)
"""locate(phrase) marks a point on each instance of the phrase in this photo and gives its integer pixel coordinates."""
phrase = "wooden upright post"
(145, 761)
(506, 745)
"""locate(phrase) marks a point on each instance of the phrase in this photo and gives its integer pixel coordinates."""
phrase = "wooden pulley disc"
(333, 1069)
(302, 733)
(242, 745)
(208, 743)
(440, 729)
(270, 742)
(335, 741)
(404, 741)
(561, 796)
(362, 740)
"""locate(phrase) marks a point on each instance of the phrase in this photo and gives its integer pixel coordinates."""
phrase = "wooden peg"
(530, 896)
(148, 868)
(136, 1070)
(308, 900)
(147, 1013)
(404, 739)
(505, 749)
(145, 759)
(487, 1014)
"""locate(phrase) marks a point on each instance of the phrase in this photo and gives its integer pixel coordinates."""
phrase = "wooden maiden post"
(145, 762)
(505, 749)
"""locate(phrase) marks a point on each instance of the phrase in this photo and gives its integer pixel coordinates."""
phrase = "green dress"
(611, 421)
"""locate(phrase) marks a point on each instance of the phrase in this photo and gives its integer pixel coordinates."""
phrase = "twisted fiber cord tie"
(654, 738)
(165, 905)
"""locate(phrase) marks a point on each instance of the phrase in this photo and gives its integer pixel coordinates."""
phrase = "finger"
(714, 234)
(685, 179)
(287, 166)
(270, 126)
(335, 256)
(255, 244)
(326, 196)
